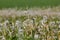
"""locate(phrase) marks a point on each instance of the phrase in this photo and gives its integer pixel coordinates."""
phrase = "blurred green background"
(28, 3)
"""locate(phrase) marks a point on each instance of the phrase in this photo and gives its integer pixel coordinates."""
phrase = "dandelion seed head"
(18, 23)
(36, 36)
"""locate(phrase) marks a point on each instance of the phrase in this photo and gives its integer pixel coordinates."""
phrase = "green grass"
(28, 3)
(16, 28)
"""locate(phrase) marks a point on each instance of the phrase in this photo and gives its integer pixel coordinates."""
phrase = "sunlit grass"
(30, 28)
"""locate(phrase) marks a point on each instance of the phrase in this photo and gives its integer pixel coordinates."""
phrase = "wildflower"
(18, 24)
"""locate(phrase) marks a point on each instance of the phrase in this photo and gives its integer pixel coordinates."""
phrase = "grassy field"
(33, 24)
(28, 3)
(30, 28)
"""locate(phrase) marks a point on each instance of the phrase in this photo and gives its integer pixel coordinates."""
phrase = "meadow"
(29, 24)
(28, 3)
(30, 28)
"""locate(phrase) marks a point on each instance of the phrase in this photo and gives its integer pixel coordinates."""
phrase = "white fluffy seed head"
(18, 23)
(36, 36)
